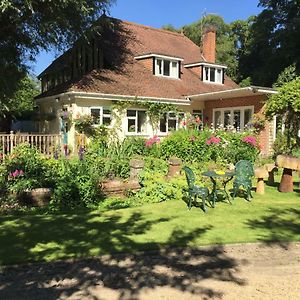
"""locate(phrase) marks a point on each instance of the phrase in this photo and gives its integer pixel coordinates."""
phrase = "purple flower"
(81, 152)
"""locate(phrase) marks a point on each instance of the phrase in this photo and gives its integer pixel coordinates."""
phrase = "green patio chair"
(193, 190)
(243, 178)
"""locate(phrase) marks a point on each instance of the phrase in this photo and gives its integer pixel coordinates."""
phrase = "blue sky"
(157, 13)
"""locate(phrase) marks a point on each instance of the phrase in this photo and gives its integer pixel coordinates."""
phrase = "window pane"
(131, 125)
(166, 67)
(159, 67)
(172, 115)
(131, 113)
(206, 74)
(174, 71)
(227, 117)
(172, 124)
(218, 120)
(106, 111)
(212, 74)
(247, 116)
(106, 121)
(163, 123)
(237, 119)
(141, 121)
(219, 78)
(95, 113)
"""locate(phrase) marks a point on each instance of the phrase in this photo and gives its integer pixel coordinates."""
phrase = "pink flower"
(192, 139)
(213, 140)
(251, 140)
(152, 141)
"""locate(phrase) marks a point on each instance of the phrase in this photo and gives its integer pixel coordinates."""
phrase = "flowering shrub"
(213, 140)
(191, 122)
(16, 173)
(251, 140)
(204, 146)
(152, 141)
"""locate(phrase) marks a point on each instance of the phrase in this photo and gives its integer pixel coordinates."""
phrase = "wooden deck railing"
(45, 143)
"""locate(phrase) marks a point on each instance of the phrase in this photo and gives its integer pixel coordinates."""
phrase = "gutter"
(253, 89)
(112, 97)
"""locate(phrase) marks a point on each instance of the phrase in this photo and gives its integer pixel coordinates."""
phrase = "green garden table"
(224, 178)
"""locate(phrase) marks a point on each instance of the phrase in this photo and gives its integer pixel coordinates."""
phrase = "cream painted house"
(131, 62)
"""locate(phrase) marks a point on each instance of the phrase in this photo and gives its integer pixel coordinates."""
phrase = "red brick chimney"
(209, 44)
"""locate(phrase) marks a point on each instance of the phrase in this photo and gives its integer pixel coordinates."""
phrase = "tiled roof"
(128, 76)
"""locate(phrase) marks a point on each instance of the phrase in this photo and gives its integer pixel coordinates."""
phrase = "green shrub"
(204, 146)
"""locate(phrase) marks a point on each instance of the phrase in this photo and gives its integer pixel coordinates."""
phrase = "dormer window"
(212, 74)
(163, 65)
(168, 68)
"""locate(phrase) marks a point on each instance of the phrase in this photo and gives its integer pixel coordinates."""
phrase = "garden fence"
(46, 143)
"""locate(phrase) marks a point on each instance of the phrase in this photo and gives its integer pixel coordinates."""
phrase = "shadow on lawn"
(278, 227)
(123, 274)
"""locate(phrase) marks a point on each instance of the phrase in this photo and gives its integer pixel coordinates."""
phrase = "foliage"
(22, 100)
(286, 105)
(27, 27)
(76, 185)
(219, 146)
(287, 75)
(281, 145)
(25, 169)
(155, 188)
(84, 124)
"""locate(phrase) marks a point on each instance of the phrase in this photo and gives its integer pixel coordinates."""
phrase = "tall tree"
(21, 101)
(274, 43)
(28, 26)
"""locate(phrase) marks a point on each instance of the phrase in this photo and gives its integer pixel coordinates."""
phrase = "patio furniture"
(271, 168)
(244, 173)
(288, 163)
(261, 174)
(193, 190)
(216, 176)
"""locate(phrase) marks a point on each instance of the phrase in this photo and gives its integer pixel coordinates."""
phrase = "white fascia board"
(205, 64)
(159, 56)
(112, 97)
(232, 92)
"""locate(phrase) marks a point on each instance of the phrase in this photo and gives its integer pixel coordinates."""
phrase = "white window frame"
(216, 71)
(232, 109)
(136, 122)
(102, 115)
(176, 75)
(167, 122)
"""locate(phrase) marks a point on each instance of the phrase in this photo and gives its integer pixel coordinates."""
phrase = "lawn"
(37, 237)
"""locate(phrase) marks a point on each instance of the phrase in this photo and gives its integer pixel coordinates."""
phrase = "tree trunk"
(286, 183)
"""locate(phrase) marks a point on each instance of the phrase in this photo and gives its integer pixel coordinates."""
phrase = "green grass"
(274, 217)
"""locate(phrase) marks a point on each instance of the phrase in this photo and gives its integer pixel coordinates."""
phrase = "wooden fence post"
(11, 142)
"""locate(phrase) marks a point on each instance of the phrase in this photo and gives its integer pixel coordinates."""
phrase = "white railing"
(45, 143)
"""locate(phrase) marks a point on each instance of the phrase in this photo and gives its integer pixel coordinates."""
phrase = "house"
(127, 62)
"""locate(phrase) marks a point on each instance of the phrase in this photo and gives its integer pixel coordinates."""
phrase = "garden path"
(242, 271)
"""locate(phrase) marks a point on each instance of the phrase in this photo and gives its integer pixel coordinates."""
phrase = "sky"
(157, 13)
